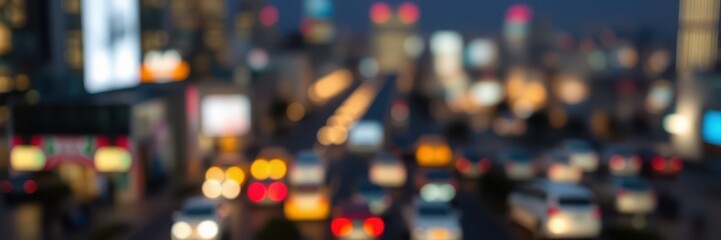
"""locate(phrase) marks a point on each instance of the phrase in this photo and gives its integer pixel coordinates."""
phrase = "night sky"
(485, 16)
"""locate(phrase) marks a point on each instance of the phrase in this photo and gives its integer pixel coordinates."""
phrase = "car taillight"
(484, 165)
(277, 191)
(123, 142)
(658, 163)
(341, 227)
(551, 211)
(596, 213)
(7, 186)
(374, 226)
(617, 162)
(636, 161)
(256, 192)
(36, 140)
(101, 141)
(463, 165)
(621, 193)
(30, 186)
(18, 140)
(676, 164)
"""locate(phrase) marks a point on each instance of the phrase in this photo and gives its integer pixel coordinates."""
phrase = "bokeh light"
(408, 13)
(380, 13)
(269, 15)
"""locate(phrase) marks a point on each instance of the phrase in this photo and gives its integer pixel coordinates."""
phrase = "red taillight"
(551, 211)
(30, 187)
(676, 164)
(36, 140)
(18, 140)
(7, 186)
(596, 212)
(484, 165)
(658, 163)
(374, 226)
(621, 193)
(277, 191)
(637, 163)
(341, 227)
(123, 142)
(463, 165)
(617, 162)
(101, 141)
(256, 192)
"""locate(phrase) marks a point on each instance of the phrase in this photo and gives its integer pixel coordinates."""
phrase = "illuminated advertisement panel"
(111, 44)
(225, 115)
(711, 127)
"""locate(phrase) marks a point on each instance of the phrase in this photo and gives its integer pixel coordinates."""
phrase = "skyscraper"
(697, 35)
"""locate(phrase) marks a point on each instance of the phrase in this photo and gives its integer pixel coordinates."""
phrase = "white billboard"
(225, 115)
(111, 44)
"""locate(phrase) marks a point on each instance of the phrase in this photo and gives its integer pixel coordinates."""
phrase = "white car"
(433, 220)
(626, 195)
(555, 210)
(307, 169)
(517, 164)
(387, 170)
(366, 136)
(622, 162)
(559, 167)
(581, 154)
(199, 218)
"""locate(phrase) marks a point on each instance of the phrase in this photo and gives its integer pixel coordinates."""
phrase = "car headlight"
(181, 230)
(208, 229)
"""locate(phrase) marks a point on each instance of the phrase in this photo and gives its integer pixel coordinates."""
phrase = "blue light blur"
(711, 127)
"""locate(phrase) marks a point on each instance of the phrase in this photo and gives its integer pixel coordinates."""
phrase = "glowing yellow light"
(236, 174)
(212, 188)
(214, 173)
(112, 159)
(260, 169)
(277, 169)
(424, 155)
(230, 189)
(295, 112)
(228, 144)
(330, 86)
(27, 158)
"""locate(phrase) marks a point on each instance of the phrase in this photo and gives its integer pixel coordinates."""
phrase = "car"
(433, 151)
(660, 162)
(436, 185)
(470, 164)
(308, 168)
(366, 136)
(581, 154)
(225, 177)
(432, 220)
(555, 210)
(517, 164)
(621, 161)
(354, 220)
(626, 195)
(387, 170)
(558, 167)
(307, 203)
(374, 196)
(30, 187)
(199, 218)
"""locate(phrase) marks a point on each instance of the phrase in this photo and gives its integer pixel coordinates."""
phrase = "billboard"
(225, 115)
(111, 44)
